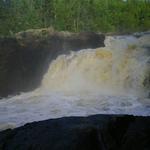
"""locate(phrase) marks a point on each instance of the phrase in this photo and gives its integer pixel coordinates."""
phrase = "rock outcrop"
(98, 132)
(25, 57)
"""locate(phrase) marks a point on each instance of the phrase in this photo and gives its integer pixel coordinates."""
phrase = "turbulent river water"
(109, 80)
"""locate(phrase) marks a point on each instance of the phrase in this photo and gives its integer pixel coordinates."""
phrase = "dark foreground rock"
(98, 132)
(25, 58)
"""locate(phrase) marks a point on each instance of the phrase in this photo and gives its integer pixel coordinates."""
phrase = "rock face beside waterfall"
(26, 57)
(98, 132)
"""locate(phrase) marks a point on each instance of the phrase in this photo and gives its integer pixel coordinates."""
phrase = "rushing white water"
(109, 80)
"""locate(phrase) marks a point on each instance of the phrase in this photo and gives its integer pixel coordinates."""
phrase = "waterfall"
(121, 67)
(114, 79)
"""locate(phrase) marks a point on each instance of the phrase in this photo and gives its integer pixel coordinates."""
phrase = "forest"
(121, 16)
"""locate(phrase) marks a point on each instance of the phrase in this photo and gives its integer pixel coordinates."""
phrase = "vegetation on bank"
(75, 15)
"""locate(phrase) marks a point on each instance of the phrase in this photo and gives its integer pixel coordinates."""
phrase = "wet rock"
(98, 132)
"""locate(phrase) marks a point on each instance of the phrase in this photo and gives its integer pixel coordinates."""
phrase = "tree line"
(75, 15)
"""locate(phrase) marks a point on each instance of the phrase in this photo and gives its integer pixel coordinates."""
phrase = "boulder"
(98, 132)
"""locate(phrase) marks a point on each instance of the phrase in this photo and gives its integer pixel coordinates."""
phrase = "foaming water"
(119, 68)
(109, 80)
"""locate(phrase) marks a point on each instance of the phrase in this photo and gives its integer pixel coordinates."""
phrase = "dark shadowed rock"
(25, 58)
(99, 132)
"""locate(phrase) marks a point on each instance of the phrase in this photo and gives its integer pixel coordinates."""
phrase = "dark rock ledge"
(98, 132)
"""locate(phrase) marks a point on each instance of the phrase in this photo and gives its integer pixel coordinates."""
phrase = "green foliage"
(75, 15)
